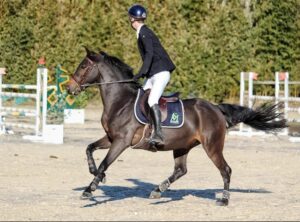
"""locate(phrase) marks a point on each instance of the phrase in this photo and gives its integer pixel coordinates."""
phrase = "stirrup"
(156, 141)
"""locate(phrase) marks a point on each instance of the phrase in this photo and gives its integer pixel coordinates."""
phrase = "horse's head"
(86, 73)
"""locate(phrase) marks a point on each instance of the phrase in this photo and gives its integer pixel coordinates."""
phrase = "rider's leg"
(148, 84)
(159, 82)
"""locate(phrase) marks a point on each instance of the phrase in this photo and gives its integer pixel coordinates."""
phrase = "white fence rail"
(281, 78)
(38, 115)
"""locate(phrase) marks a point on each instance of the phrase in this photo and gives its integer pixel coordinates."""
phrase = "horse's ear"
(94, 56)
(88, 52)
(91, 54)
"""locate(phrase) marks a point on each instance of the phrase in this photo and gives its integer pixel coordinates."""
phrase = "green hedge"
(210, 41)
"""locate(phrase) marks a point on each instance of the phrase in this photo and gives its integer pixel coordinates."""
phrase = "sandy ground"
(45, 182)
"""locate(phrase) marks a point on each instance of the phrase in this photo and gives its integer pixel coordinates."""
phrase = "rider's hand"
(137, 76)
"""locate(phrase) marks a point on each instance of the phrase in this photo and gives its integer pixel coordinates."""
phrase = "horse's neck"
(115, 96)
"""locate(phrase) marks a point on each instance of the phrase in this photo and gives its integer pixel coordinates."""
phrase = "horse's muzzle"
(73, 88)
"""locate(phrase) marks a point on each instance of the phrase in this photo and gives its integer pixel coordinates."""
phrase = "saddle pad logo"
(174, 118)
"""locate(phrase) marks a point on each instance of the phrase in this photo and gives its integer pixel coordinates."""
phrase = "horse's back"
(206, 114)
(203, 106)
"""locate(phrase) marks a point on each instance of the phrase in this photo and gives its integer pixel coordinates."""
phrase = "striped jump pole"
(13, 94)
(2, 127)
(43, 132)
(279, 77)
(41, 89)
(18, 86)
(22, 114)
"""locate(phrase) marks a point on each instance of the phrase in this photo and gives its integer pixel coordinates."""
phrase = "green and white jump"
(42, 131)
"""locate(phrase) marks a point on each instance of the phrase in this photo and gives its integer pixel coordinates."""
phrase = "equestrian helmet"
(137, 12)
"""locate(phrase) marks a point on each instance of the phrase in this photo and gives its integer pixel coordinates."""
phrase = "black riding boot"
(157, 137)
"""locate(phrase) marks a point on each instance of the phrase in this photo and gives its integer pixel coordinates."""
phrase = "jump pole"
(42, 86)
(2, 127)
(20, 112)
(43, 132)
(279, 77)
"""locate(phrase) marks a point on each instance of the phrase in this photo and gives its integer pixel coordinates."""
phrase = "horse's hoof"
(86, 195)
(155, 195)
(93, 187)
(222, 202)
(104, 180)
(93, 171)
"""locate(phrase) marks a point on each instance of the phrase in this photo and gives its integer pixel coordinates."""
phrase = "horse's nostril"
(69, 89)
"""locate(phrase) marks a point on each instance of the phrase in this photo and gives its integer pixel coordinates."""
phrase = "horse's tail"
(266, 117)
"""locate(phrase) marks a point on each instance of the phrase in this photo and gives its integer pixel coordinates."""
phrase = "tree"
(210, 41)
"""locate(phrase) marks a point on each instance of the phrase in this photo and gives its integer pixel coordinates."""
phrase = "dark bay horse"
(205, 123)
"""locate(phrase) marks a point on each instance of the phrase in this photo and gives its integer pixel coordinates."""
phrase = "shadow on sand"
(143, 189)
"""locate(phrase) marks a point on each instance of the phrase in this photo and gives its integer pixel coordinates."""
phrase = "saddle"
(171, 107)
(162, 103)
(172, 113)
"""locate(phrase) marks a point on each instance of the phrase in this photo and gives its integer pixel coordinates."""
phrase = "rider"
(156, 67)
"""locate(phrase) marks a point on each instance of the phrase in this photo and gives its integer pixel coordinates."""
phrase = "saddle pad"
(175, 113)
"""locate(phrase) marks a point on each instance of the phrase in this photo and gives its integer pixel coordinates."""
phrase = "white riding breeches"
(157, 84)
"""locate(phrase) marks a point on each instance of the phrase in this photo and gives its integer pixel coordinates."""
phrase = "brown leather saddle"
(162, 104)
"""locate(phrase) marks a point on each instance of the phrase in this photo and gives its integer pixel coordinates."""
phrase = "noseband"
(91, 65)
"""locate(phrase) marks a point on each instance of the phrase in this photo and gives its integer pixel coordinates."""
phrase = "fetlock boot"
(157, 136)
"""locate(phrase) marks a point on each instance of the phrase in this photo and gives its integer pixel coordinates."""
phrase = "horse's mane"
(115, 62)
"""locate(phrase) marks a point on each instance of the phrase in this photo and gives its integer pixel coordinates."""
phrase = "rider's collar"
(138, 30)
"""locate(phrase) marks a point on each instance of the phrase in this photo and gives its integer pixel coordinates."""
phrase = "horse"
(204, 122)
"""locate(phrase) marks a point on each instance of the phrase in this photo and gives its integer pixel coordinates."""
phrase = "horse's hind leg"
(102, 143)
(225, 171)
(215, 154)
(180, 169)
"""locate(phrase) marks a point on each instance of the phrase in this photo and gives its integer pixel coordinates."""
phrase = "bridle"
(91, 65)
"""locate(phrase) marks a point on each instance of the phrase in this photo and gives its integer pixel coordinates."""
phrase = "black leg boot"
(157, 136)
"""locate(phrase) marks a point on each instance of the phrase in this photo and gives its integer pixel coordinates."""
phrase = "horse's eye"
(83, 66)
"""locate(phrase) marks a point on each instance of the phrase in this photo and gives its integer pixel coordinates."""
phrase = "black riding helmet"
(138, 12)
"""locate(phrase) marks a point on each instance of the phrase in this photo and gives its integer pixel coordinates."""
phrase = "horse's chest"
(109, 125)
(104, 121)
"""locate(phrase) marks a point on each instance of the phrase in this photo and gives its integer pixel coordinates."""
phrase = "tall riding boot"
(157, 137)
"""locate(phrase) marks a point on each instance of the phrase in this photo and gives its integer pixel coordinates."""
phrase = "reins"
(89, 69)
(112, 82)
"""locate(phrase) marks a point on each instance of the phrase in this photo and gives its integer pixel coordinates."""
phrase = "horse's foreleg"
(117, 147)
(180, 169)
(102, 143)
